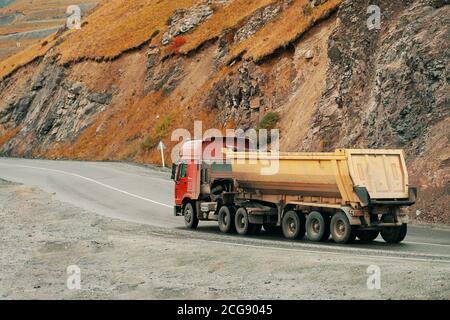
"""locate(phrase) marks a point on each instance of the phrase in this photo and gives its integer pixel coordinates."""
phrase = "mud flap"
(177, 211)
(354, 221)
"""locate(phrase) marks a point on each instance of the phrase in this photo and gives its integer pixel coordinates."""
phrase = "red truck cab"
(187, 172)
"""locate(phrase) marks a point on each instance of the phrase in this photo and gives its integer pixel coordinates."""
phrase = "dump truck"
(348, 193)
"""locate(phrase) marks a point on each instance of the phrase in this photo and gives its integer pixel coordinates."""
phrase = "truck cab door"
(181, 183)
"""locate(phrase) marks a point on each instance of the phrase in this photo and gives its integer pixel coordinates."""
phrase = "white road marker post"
(161, 147)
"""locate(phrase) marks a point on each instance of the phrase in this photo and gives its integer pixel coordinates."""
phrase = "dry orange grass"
(26, 56)
(117, 26)
(224, 18)
(279, 32)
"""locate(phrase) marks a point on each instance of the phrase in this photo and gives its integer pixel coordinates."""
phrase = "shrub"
(307, 10)
(269, 121)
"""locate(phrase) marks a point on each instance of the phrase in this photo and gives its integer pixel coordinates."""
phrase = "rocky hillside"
(139, 69)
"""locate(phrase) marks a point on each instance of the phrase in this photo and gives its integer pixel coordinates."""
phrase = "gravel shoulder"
(41, 237)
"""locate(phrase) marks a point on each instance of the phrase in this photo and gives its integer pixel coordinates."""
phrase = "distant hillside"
(4, 3)
(139, 69)
(24, 23)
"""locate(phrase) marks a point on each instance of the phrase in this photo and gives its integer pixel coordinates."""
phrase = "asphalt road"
(144, 195)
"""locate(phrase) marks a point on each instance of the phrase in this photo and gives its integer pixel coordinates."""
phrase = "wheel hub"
(292, 226)
(316, 226)
(340, 228)
(188, 216)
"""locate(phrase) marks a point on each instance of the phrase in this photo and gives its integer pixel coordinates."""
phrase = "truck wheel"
(241, 222)
(341, 230)
(226, 219)
(367, 235)
(317, 226)
(190, 216)
(394, 234)
(293, 225)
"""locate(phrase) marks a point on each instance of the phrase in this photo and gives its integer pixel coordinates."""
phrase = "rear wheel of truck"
(394, 234)
(341, 230)
(226, 219)
(317, 226)
(243, 226)
(293, 225)
(367, 235)
(190, 216)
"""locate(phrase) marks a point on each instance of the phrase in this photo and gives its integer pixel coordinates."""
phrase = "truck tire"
(226, 219)
(293, 225)
(394, 234)
(367, 235)
(190, 216)
(341, 230)
(317, 226)
(243, 226)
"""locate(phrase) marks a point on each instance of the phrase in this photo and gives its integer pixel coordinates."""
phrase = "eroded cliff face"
(333, 82)
(390, 89)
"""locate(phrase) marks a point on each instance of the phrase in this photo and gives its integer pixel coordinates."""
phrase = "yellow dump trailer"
(357, 178)
(346, 194)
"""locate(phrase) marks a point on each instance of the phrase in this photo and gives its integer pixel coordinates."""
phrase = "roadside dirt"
(41, 237)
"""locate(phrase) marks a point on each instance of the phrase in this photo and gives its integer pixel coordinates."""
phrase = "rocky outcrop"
(163, 76)
(259, 19)
(184, 20)
(238, 97)
(51, 110)
(391, 82)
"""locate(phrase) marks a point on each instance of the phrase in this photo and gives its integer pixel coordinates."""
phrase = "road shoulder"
(42, 237)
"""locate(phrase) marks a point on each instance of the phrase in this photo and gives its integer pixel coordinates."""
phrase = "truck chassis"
(247, 213)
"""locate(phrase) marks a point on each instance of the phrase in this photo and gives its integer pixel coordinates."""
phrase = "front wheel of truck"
(190, 216)
(293, 225)
(341, 230)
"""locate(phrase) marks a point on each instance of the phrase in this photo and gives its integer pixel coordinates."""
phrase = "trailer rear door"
(382, 172)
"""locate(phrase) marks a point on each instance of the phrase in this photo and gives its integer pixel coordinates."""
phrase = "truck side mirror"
(174, 171)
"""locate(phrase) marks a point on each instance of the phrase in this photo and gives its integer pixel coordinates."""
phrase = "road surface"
(144, 195)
